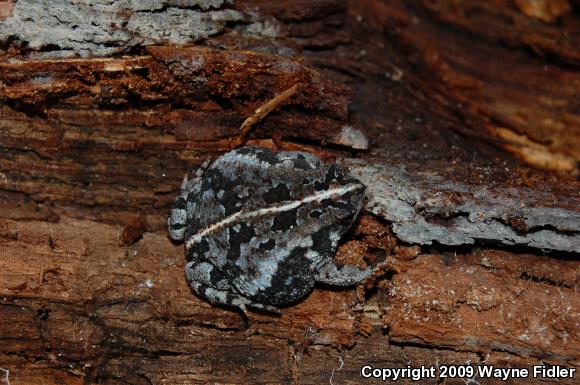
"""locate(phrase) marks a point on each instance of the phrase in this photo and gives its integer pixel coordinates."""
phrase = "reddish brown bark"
(93, 151)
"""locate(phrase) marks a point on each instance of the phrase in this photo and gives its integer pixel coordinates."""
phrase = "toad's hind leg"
(334, 273)
(209, 283)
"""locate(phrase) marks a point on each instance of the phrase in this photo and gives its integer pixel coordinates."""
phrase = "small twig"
(261, 112)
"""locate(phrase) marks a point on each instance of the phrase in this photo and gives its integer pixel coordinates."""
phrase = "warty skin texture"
(261, 228)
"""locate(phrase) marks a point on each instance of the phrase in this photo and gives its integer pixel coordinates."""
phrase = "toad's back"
(252, 178)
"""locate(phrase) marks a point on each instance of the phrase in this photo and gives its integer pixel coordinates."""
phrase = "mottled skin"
(261, 228)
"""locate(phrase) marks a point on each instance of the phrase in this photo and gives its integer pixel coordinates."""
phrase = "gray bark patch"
(425, 208)
(101, 27)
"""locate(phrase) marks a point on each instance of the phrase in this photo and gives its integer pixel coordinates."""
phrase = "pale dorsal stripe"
(241, 215)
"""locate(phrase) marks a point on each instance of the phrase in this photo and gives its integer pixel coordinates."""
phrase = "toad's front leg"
(334, 273)
(208, 282)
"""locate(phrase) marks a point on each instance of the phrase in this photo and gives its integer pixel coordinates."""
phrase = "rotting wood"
(93, 150)
(485, 70)
(92, 121)
(110, 311)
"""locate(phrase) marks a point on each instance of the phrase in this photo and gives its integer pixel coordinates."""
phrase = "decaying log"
(442, 109)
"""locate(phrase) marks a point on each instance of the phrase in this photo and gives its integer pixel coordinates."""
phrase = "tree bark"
(461, 118)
